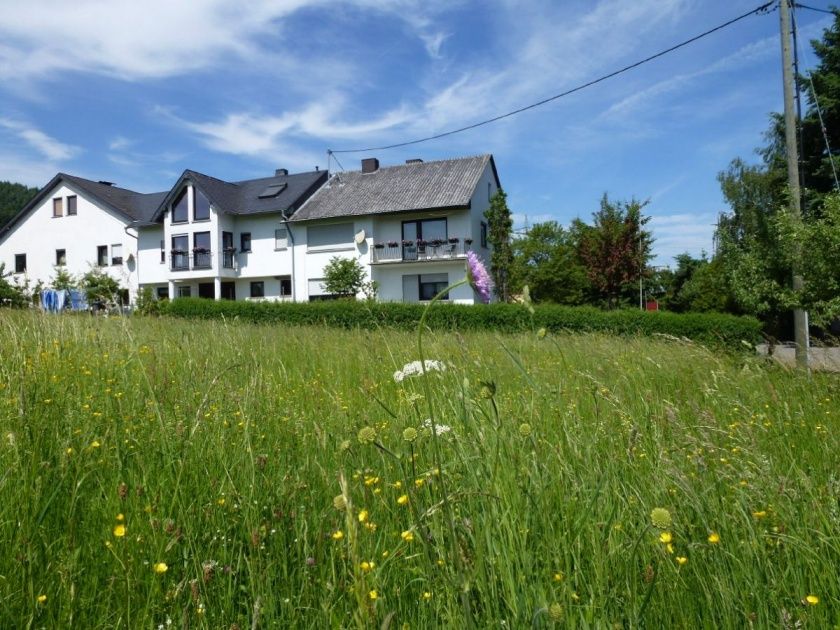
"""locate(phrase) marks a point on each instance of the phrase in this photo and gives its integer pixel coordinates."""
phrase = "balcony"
(420, 250)
(180, 260)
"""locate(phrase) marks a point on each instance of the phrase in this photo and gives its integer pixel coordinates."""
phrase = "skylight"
(272, 191)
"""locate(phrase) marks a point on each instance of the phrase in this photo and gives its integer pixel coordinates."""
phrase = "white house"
(77, 224)
(409, 225)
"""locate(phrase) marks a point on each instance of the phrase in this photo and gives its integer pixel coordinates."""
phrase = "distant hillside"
(13, 197)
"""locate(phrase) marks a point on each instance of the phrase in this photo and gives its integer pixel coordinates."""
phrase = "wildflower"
(488, 389)
(220, 501)
(42, 598)
(416, 367)
(160, 567)
(410, 434)
(119, 531)
(363, 516)
(95, 444)
(661, 518)
(367, 435)
(760, 514)
(427, 596)
(556, 613)
(558, 577)
(367, 566)
(373, 595)
(407, 535)
(402, 500)
(339, 502)
(813, 600)
(681, 560)
(525, 430)
(440, 429)
(371, 481)
(478, 276)
(665, 538)
(541, 333)
(337, 534)
(345, 445)
(69, 450)
(669, 548)
(120, 518)
(714, 538)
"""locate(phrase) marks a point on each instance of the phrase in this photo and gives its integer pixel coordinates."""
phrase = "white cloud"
(47, 146)
(682, 232)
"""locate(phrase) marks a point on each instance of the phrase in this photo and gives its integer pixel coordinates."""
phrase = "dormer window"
(201, 212)
(180, 208)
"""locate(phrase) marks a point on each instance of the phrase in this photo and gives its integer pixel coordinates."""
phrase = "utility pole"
(800, 317)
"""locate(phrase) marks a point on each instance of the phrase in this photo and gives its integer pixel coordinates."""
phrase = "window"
(201, 212)
(184, 291)
(258, 289)
(201, 250)
(61, 257)
(58, 207)
(71, 206)
(180, 255)
(162, 251)
(116, 254)
(102, 255)
(245, 242)
(180, 212)
(336, 235)
(433, 283)
(285, 286)
(20, 263)
(483, 234)
(163, 293)
(228, 251)
(281, 238)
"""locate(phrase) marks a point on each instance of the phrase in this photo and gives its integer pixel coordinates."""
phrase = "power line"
(761, 9)
(805, 6)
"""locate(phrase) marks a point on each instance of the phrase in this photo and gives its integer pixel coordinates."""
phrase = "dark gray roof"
(134, 206)
(415, 186)
(243, 198)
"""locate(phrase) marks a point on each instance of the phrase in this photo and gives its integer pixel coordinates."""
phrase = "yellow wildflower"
(812, 599)
(407, 535)
(373, 595)
(160, 567)
(681, 560)
(665, 538)
(714, 538)
(42, 599)
(120, 518)
(338, 535)
(95, 444)
(402, 500)
(119, 531)
(363, 516)
(558, 577)
(760, 514)
(427, 596)
(367, 566)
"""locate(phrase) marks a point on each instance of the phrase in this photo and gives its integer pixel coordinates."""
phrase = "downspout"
(136, 257)
(285, 222)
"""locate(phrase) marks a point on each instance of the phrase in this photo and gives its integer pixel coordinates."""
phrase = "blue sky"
(135, 92)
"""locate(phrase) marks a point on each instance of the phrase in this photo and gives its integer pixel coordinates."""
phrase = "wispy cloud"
(682, 232)
(47, 146)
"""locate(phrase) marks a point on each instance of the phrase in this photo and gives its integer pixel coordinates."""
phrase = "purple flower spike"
(478, 276)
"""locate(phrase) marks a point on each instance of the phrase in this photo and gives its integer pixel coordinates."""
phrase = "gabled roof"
(244, 197)
(412, 186)
(131, 205)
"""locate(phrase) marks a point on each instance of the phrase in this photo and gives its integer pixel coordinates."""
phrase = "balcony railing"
(184, 261)
(415, 251)
(229, 259)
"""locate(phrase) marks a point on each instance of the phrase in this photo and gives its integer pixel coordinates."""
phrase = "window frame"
(58, 207)
(243, 236)
(116, 260)
(61, 257)
(163, 251)
(438, 286)
(483, 234)
(18, 267)
(72, 205)
(184, 290)
(285, 239)
(195, 217)
(100, 250)
(257, 284)
(185, 195)
(162, 293)
(283, 281)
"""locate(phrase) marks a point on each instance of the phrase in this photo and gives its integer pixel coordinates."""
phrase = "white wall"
(390, 279)
(39, 235)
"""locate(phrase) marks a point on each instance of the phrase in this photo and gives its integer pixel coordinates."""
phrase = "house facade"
(409, 226)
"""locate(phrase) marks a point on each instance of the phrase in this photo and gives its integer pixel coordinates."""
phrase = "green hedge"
(710, 328)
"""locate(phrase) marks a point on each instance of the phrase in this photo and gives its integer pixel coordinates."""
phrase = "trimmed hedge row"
(709, 328)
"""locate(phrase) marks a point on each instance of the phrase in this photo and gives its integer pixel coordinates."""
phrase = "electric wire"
(761, 9)
(805, 6)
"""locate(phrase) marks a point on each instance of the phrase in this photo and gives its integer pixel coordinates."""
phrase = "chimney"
(106, 183)
(370, 165)
(414, 161)
(281, 172)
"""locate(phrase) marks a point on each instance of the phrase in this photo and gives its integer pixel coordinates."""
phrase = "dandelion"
(410, 434)
(407, 535)
(337, 534)
(160, 567)
(42, 598)
(402, 500)
(665, 538)
(525, 430)
(373, 595)
(478, 276)
(367, 435)
(813, 600)
(119, 531)
(681, 560)
(714, 538)
(661, 518)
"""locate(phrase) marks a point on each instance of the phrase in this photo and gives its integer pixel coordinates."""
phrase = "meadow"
(213, 474)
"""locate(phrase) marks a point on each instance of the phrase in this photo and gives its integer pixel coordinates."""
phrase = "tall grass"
(270, 471)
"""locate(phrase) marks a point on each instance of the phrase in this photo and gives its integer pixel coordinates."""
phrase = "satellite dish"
(360, 237)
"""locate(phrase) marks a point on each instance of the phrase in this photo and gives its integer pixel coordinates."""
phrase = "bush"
(709, 328)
